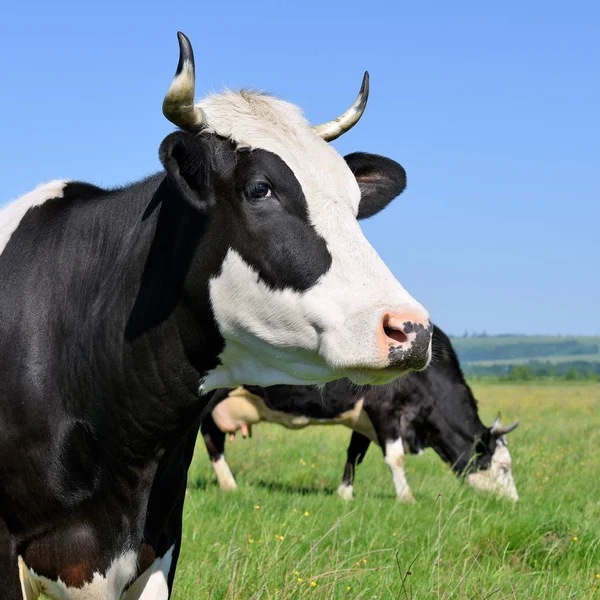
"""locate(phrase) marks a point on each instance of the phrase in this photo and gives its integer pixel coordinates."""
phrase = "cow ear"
(380, 180)
(187, 158)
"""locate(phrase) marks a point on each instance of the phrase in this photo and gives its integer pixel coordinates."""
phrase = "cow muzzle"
(406, 339)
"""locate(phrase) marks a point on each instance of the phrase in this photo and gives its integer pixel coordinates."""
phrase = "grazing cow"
(433, 408)
(241, 262)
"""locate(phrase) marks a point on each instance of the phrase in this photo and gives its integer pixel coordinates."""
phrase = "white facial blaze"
(317, 335)
(498, 479)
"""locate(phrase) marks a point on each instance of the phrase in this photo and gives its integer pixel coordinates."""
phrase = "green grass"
(453, 543)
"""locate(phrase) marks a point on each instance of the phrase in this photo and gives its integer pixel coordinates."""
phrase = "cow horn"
(333, 129)
(178, 105)
(496, 422)
(498, 430)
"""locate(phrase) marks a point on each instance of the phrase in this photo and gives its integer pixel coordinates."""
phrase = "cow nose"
(407, 339)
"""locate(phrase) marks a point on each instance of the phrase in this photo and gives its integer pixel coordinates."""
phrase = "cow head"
(299, 295)
(446, 418)
(493, 462)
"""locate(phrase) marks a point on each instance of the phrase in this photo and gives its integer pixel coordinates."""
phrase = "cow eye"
(258, 190)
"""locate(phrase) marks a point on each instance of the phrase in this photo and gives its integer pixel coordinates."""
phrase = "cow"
(432, 408)
(242, 261)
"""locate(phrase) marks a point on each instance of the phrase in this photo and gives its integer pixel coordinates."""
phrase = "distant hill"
(542, 355)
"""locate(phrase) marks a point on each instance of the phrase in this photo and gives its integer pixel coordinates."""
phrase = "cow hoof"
(406, 498)
(345, 492)
(228, 486)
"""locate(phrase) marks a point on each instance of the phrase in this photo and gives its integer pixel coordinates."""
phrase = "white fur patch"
(345, 492)
(498, 479)
(394, 459)
(153, 584)
(102, 587)
(264, 329)
(11, 215)
(224, 475)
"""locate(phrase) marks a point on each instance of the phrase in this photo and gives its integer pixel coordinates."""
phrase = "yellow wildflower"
(299, 579)
(575, 539)
(313, 584)
(302, 462)
(296, 573)
(256, 507)
(306, 513)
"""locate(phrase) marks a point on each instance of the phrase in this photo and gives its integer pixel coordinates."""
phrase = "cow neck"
(456, 423)
(170, 337)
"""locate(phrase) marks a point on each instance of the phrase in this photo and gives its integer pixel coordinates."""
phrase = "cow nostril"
(395, 334)
(395, 329)
(406, 339)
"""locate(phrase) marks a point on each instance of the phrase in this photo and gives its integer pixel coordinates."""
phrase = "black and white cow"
(241, 262)
(433, 408)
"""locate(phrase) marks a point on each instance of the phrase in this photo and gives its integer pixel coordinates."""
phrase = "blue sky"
(492, 108)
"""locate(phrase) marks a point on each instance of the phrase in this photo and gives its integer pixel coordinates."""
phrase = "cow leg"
(388, 428)
(156, 582)
(359, 444)
(394, 459)
(164, 524)
(214, 440)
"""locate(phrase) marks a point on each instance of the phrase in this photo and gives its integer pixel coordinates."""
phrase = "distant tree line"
(567, 371)
(519, 350)
(484, 334)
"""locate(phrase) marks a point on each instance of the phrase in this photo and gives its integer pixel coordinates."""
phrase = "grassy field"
(286, 535)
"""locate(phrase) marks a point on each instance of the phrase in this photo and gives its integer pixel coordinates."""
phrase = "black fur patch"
(380, 180)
